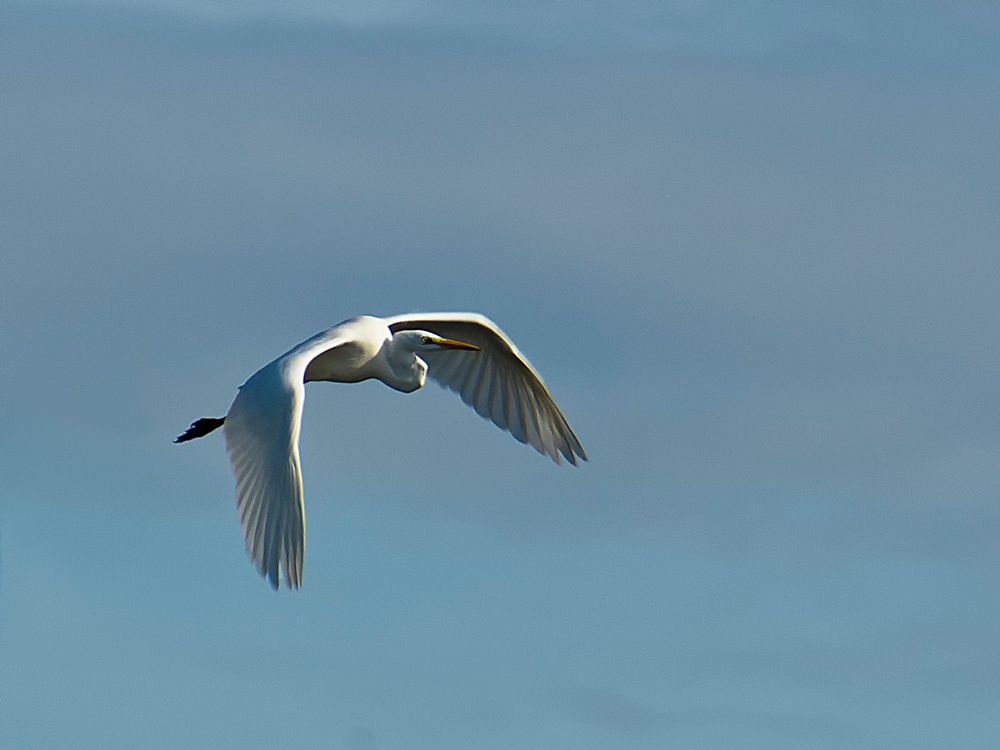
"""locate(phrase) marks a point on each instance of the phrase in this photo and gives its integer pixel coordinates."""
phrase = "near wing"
(498, 381)
(262, 438)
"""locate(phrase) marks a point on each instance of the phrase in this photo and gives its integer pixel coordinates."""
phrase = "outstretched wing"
(497, 381)
(262, 438)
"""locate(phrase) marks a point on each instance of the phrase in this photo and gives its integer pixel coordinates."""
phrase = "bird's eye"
(425, 339)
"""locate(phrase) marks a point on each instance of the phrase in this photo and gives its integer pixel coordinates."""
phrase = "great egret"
(465, 352)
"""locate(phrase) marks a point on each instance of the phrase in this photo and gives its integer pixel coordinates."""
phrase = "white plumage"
(465, 352)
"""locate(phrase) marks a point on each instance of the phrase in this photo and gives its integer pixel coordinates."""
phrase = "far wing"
(498, 381)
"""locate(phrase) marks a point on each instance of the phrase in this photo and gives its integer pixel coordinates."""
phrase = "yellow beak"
(452, 344)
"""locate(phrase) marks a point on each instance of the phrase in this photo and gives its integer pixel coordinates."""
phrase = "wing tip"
(274, 575)
(568, 452)
(292, 581)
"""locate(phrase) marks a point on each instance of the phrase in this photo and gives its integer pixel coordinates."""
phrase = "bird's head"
(425, 341)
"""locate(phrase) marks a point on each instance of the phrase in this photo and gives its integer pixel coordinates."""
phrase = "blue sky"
(751, 247)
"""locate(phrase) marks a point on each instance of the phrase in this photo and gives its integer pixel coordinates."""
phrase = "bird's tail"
(200, 428)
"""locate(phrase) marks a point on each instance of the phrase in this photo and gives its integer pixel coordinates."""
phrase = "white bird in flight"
(465, 352)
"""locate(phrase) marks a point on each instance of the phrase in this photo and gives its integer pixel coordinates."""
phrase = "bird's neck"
(402, 369)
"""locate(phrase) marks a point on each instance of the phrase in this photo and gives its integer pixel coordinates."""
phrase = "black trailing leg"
(200, 428)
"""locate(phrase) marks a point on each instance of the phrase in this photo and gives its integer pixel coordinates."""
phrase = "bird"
(464, 352)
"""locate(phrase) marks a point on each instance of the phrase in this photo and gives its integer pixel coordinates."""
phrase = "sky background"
(751, 247)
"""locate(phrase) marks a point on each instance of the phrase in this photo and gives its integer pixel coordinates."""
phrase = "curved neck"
(402, 368)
